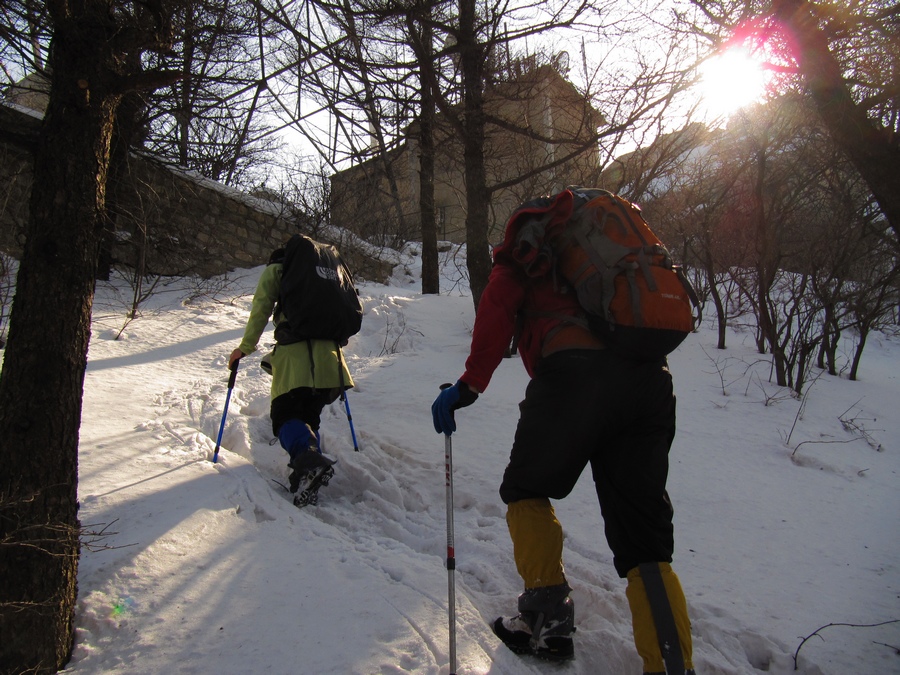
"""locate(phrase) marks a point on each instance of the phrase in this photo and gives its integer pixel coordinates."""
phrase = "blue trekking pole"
(350, 420)
(234, 367)
(344, 395)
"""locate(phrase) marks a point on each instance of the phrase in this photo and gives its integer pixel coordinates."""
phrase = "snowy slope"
(208, 568)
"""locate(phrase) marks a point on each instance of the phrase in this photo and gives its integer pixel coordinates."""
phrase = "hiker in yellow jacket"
(307, 375)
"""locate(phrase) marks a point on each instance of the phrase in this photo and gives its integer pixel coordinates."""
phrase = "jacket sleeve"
(264, 300)
(495, 324)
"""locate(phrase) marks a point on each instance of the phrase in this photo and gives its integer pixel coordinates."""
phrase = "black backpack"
(317, 299)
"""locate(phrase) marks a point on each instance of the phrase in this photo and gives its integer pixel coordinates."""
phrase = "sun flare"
(730, 81)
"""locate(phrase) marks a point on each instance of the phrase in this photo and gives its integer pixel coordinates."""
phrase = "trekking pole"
(350, 420)
(234, 367)
(344, 395)
(451, 558)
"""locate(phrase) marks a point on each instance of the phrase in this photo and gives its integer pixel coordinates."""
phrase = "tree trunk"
(722, 320)
(127, 134)
(858, 352)
(831, 338)
(431, 279)
(478, 256)
(766, 270)
(43, 371)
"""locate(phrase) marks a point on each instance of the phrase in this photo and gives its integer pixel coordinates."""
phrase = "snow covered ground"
(787, 517)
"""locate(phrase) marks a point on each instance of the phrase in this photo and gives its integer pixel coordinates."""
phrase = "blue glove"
(452, 397)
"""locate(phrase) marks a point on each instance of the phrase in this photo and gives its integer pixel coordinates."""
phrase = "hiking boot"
(306, 465)
(544, 625)
(308, 488)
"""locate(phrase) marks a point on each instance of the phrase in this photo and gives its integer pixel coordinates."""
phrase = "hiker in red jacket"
(585, 405)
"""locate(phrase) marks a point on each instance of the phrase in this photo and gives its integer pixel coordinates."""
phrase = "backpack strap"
(643, 260)
(312, 362)
(517, 333)
(563, 319)
(635, 295)
(692, 294)
(340, 360)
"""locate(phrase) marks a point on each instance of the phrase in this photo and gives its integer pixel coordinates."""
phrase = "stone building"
(540, 137)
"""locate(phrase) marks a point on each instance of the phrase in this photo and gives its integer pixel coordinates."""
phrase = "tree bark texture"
(43, 372)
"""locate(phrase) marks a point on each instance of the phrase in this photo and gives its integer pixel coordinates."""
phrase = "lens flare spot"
(122, 606)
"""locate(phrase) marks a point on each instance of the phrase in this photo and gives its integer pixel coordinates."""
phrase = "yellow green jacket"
(313, 363)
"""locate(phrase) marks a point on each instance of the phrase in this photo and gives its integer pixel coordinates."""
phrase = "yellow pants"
(537, 539)
(645, 638)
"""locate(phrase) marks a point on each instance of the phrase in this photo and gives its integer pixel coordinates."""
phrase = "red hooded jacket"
(523, 290)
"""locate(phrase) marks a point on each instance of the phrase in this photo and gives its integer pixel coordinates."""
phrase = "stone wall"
(173, 221)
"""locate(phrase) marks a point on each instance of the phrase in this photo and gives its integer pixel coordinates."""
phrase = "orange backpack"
(633, 296)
